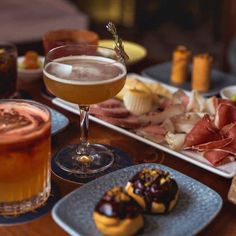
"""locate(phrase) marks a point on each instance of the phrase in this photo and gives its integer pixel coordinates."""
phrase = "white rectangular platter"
(228, 170)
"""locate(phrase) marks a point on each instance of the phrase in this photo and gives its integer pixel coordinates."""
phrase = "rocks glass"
(25, 153)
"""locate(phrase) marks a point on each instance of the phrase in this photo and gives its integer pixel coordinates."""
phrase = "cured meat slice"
(204, 131)
(197, 102)
(184, 123)
(130, 122)
(118, 111)
(160, 117)
(180, 97)
(95, 110)
(110, 103)
(211, 105)
(218, 144)
(168, 125)
(225, 114)
(229, 130)
(217, 157)
(155, 133)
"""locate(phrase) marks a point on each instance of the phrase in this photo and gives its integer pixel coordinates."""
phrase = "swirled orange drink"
(24, 156)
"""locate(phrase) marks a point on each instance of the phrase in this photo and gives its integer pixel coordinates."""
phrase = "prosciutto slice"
(225, 114)
(217, 157)
(218, 144)
(204, 131)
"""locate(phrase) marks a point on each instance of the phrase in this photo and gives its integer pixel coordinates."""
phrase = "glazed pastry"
(154, 190)
(117, 213)
(180, 63)
(201, 74)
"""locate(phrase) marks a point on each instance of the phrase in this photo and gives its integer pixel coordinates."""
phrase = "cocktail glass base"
(93, 158)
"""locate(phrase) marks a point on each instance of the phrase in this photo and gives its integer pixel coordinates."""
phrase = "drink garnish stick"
(119, 48)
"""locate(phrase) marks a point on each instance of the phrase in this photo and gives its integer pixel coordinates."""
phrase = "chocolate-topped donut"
(154, 190)
(117, 213)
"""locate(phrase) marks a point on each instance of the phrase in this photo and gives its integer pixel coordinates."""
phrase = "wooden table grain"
(224, 224)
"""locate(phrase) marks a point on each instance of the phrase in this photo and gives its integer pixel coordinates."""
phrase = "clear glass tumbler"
(25, 153)
(8, 69)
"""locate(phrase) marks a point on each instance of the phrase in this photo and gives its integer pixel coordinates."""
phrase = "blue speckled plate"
(58, 121)
(197, 205)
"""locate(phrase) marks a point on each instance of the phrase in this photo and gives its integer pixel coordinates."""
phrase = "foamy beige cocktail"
(25, 152)
(84, 75)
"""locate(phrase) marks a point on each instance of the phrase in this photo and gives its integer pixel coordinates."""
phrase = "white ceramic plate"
(196, 207)
(29, 75)
(228, 92)
(228, 170)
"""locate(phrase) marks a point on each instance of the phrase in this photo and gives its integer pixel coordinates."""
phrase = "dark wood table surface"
(223, 224)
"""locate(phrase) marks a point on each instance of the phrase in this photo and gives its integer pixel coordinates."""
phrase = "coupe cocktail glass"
(84, 75)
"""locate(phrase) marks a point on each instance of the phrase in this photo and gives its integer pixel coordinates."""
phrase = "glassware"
(8, 69)
(60, 37)
(84, 75)
(25, 152)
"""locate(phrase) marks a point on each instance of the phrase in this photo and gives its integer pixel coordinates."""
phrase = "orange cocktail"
(84, 75)
(84, 80)
(24, 156)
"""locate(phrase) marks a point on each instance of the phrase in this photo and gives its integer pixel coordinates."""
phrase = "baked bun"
(117, 213)
(154, 190)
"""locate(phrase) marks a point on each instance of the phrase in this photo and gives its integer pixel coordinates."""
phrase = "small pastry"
(117, 213)
(133, 83)
(31, 60)
(138, 102)
(180, 63)
(154, 190)
(201, 74)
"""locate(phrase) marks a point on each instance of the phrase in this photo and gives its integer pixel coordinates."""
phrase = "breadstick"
(180, 61)
(201, 73)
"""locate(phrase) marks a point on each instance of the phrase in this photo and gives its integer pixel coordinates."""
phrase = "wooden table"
(223, 224)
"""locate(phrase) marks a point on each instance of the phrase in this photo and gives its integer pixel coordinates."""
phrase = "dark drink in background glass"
(8, 69)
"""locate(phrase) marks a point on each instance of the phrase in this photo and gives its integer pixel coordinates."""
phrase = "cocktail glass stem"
(84, 125)
(83, 156)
